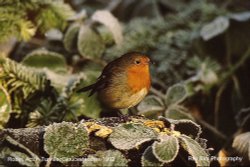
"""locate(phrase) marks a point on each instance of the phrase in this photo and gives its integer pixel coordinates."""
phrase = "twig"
(211, 128)
(217, 104)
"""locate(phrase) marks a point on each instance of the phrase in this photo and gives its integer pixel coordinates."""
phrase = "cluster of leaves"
(157, 142)
(44, 93)
(22, 19)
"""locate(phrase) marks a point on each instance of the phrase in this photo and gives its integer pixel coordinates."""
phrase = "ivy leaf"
(106, 158)
(46, 59)
(150, 104)
(5, 107)
(167, 149)
(129, 136)
(216, 27)
(149, 159)
(242, 144)
(65, 140)
(107, 19)
(195, 150)
(70, 38)
(89, 43)
(176, 94)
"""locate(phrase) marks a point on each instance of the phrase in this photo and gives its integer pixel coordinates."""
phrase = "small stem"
(212, 128)
(156, 92)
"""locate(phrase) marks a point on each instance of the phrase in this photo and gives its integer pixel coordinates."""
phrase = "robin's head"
(136, 60)
(137, 69)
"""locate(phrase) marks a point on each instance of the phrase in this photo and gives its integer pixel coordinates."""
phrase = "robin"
(124, 82)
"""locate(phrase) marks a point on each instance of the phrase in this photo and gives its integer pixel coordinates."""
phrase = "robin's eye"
(137, 61)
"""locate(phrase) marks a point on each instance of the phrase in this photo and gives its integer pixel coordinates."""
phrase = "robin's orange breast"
(138, 77)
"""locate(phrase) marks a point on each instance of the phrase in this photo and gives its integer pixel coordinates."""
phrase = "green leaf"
(174, 112)
(91, 106)
(199, 155)
(167, 149)
(176, 94)
(46, 59)
(241, 143)
(148, 158)
(70, 38)
(65, 140)
(5, 107)
(150, 104)
(106, 18)
(89, 43)
(216, 27)
(129, 136)
(106, 158)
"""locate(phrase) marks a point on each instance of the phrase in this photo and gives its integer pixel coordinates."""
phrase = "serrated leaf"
(148, 158)
(106, 158)
(166, 149)
(46, 59)
(216, 27)
(150, 104)
(176, 94)
(177, 113)
(195, 150)
(89, 43)
(70, 38)
(129, 136)
(5, 107)
(107, 19)
(65, 140)
(243, 16)
(242, 144)
(187, 127)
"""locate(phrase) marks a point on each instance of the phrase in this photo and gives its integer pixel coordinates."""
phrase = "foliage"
(17, 22)
(156, 142)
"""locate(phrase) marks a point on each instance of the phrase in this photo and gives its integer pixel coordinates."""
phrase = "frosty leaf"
(89, 43)
(43, 58)
(54, 34)
(106, 158)
(70, 38)
(167, 149)
(187, 127)
(243, 16)
(176, 94)
(129, 136)
(216, 27)
(65, 140)
(5, 107)
(148, 158)
(106, 18)
(242, 144)
(150, 104)
(177, 113)
(195, 150)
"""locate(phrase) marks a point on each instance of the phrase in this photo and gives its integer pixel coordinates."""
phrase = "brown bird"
(124, 82)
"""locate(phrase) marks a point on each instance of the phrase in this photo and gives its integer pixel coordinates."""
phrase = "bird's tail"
(87, 88)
